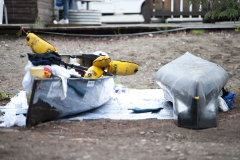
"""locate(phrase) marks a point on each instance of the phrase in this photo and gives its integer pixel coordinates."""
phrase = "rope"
(134, 34)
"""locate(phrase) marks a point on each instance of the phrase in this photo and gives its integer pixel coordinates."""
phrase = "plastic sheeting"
(121, 104)
(82, 95)
(193, 85)
(150, 102)
(98, 92)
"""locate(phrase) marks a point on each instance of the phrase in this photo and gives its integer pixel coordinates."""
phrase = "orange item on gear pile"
(47, 72)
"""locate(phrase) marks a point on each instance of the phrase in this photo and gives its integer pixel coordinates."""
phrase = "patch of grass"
(197, 31)
(181, 32)
(19, 33)
(237, 29)
(165, 30)
(118, 32)
(4, 95)
(38, 23)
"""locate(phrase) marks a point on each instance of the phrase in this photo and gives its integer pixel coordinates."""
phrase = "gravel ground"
(123, 139)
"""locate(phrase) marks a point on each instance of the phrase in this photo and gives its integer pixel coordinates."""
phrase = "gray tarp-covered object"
(193, 85)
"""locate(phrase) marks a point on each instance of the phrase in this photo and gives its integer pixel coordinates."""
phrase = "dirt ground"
(126, 139)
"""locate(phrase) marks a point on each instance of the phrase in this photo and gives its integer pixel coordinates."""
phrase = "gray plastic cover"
(82, 95)
(193, 85)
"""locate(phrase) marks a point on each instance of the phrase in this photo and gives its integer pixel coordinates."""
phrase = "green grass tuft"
(197, 31)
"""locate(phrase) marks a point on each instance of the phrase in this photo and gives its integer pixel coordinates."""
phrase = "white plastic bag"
(222, 104)
(63, 73)
(14, 120)
(19, 100)
(28, 79)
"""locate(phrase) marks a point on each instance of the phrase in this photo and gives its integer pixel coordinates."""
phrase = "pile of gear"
(99, 63)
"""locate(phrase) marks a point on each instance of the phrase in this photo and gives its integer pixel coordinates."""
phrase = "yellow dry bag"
(93, 72)
(122, 68)
(102, 61)
(38, 45)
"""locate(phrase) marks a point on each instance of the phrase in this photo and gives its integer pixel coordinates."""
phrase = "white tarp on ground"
(118, 107)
